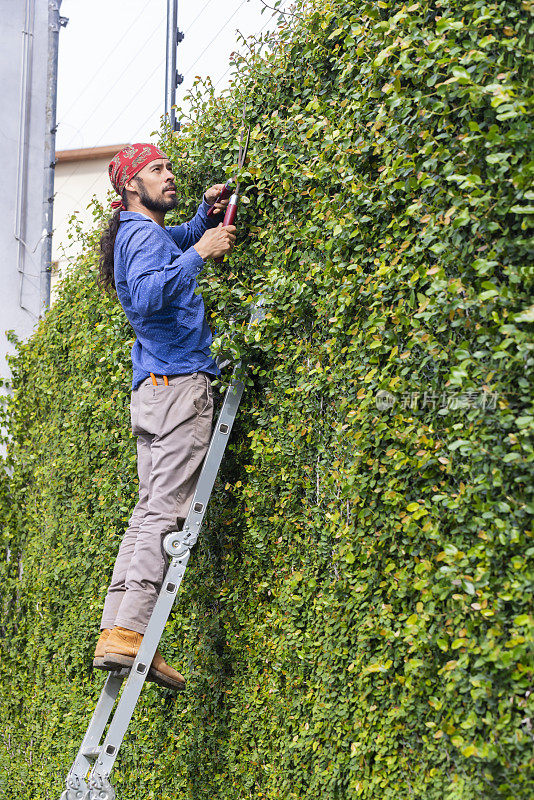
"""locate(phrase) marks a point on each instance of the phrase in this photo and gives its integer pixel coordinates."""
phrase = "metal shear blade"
(243, 150)
(242, 155)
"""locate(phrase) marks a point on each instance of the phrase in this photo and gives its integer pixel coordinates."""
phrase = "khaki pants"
(173, 428)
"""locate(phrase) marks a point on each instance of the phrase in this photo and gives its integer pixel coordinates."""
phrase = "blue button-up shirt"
(155, 276)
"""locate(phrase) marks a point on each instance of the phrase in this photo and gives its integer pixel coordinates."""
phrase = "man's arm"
(153, 277)
(190, 232)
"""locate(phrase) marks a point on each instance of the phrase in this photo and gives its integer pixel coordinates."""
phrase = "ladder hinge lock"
(179, 78)
(180, 35)
(63, 21)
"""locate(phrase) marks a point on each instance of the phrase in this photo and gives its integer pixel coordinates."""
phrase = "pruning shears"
(231, 209)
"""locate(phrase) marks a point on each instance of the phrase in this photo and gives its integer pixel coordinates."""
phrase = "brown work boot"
(98, 659)
(121, 649)
(165, 675)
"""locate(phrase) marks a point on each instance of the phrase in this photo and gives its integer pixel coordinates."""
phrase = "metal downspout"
(23, 142)
(55, 22)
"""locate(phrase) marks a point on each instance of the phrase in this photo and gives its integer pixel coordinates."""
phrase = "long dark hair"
(107, 246)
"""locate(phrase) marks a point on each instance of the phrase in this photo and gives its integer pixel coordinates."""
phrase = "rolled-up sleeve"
(189, 233)
(153, 275)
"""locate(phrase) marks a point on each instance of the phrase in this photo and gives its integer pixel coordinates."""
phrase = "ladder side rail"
(188, 536)
(76, 786)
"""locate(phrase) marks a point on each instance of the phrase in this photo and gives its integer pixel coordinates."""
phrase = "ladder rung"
(92, 752)
(120, 672)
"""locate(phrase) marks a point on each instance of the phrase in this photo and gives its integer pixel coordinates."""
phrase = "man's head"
(153, 187)
(144, 173)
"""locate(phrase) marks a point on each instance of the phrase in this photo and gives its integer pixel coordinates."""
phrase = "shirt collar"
(135, 215)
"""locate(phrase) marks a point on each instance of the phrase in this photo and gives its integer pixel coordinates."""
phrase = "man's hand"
(211, 194)
(216, 242)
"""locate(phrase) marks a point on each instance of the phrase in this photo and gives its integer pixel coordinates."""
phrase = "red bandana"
(127, 164)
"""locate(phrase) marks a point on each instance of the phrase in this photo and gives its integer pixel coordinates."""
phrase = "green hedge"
(356, 618)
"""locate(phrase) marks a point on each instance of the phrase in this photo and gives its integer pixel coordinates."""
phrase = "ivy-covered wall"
(356, 618)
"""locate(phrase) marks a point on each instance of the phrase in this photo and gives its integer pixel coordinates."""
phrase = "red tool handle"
(229, 218)
(231, 211)
(223, 194)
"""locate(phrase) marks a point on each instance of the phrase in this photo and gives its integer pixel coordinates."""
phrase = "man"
(154, 270)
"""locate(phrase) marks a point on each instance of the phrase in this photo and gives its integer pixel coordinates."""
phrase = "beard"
(161, 203)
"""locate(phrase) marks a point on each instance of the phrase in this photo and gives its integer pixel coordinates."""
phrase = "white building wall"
(81, 175)
(76, 183)
(23, 93)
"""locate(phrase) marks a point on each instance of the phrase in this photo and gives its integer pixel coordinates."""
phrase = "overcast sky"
(111, 71)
